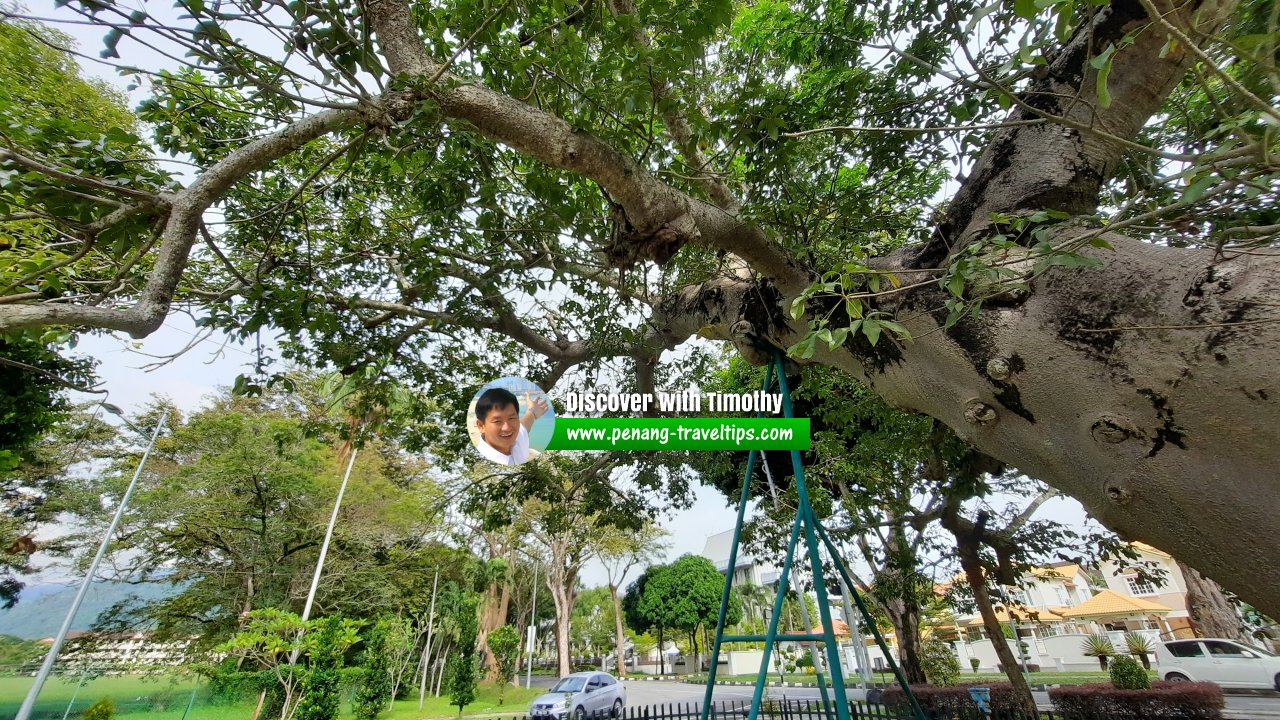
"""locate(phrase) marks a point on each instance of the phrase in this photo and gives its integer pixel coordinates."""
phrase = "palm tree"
(1099, 646)
(1140, 646)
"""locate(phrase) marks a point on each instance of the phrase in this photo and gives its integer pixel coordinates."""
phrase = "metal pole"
(426, 648)
(533, 629)
(74, 695)
(190, 701)
(328, 535)
(24, 712)
(324, 550)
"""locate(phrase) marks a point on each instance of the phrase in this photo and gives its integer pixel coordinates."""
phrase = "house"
(747, 569)
(1170, 592)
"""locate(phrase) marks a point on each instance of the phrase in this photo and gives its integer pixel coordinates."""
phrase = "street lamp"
(766, 612)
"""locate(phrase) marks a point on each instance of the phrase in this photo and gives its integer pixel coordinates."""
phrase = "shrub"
(1166, 700)
(939, 663)
(104, 709)
(1127, 674)
(974, 663)
(1031, 668)
(952, 700)
(373, 690)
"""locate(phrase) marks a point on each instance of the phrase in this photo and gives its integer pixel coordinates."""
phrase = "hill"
(42, 607)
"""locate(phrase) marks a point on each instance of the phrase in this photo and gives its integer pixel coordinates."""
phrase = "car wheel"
(1176, 677)
(579, 713)
(617, 707)
(1277, 681)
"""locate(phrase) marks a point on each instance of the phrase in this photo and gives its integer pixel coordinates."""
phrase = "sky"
(192, 377)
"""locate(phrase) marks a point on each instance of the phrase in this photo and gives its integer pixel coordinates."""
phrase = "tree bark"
(619, 632)
(905, 616)
(1212, 612)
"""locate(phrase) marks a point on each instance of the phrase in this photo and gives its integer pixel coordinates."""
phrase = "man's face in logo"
(500, 427)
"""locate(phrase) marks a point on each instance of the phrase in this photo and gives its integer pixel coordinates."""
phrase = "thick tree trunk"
(562, 597)
(905, 617)
(972, 565)
(1213, 613)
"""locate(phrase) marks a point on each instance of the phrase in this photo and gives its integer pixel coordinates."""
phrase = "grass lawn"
(128, 692)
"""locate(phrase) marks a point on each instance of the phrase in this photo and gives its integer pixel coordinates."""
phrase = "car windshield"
(569, 684)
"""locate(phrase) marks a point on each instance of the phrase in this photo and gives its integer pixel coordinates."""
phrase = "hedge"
(952, 699)
(1165, 700)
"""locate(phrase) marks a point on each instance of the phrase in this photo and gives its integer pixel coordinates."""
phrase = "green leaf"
(871, 328)
(797, 308)
(1024, 8)
(1104, 97)
(956, 285)
(980, 13)
(1101, 242)
(1197, 188)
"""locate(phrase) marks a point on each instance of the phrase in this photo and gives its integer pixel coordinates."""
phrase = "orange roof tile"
(1025, 614)
(1110, 602)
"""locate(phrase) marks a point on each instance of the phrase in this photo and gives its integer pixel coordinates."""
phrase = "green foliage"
(684, 595)
(504, 643)
(1128, 674)
(243, 489)
(464, 670)
(103, 709)
(321, 688)
(974, 663)
(940, 663)
(373, 693)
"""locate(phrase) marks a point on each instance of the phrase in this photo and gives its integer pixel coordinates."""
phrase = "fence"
(812, 709)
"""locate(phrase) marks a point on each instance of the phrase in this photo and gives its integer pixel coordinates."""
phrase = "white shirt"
(519, 451)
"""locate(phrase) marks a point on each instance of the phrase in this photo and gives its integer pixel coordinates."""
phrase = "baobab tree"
(395, 184)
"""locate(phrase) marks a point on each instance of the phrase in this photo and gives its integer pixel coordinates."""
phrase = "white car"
(581, 695)
(1225, 662)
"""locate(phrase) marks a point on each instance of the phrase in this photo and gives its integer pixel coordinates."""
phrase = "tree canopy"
(440, 192)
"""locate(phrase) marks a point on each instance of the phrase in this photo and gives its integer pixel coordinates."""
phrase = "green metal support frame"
(815, 536)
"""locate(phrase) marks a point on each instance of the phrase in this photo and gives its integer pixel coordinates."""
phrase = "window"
(1219, 648)
(1063, 597)
(1139, 587)
(605, 680)
(1185, 649)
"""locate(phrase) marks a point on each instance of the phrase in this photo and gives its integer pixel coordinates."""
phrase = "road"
(640, 693)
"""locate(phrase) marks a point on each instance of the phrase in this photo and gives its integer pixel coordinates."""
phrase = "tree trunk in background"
(971, 562)
(619, 632)
(1213, 613)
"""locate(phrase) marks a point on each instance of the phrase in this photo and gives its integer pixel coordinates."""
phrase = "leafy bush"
(1127, 674)
(939, 663)
(1171, 701)
(104, 709)
(946, 701)
(373, 690)
(974, 663)
(321, 687)
(1031, 668)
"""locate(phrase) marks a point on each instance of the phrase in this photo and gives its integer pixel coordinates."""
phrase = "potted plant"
(1140, 647)
(974, 663)
(1099, 646)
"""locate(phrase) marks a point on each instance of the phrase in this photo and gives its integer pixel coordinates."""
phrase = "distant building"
(747, 568)
(119, 650)
(1171, 592)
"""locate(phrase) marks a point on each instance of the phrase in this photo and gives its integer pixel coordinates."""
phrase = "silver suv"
(582, 695)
